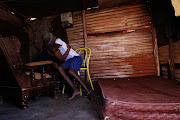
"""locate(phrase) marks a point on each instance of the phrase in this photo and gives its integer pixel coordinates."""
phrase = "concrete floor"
(46, 108)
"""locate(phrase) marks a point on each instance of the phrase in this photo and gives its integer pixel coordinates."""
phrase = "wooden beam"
(171, 59)
(84, 36)
(1, 99)
(156, 55)
(8, 9)
(84, 27)
(84, 4)
(156, 52)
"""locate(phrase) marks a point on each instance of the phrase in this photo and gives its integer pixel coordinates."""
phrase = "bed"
(140, 98)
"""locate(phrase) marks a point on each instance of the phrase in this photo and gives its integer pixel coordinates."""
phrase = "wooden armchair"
(31, 79)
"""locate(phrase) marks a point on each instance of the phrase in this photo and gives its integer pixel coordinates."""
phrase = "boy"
(71, 61)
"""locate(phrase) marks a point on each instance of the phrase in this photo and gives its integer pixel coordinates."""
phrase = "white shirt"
(64, 48)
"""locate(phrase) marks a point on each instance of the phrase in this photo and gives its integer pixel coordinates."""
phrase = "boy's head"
(48, 38)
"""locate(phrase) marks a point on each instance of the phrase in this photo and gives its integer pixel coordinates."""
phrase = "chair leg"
(56, 90)
(55, 94)
(24, 101)
(90, 80)
(78, 73)
(1, 99)
(80, 89)
(63, 89)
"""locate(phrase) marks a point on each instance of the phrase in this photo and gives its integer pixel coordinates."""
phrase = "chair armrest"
(34, 65)
(39, 63)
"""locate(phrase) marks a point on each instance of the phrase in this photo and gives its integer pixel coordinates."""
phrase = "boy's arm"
(61, 57)
(53, 48)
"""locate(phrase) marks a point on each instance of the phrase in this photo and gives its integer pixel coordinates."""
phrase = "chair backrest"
(85, 54)
(11, 49)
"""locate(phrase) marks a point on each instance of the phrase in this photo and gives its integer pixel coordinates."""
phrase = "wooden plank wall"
(176, 47)
(177, 74)
(164, 54)
(164, 59)
(75, 34)
(118, 54)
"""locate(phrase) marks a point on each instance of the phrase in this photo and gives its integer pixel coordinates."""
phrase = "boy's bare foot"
(74, 94)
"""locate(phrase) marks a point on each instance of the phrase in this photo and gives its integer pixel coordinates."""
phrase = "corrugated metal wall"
(118, 54)
(115, 53)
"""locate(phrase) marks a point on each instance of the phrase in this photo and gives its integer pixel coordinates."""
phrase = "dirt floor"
(46, 108)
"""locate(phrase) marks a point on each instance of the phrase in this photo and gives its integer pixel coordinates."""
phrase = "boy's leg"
(90, 93)
(73, 72)
(74, 66)
(62, 70)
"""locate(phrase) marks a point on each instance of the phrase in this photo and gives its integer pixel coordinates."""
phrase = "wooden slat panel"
(165, 57)
(176, 47)
(177, 74)
(164, 54)
(117, 19)
(75, 34)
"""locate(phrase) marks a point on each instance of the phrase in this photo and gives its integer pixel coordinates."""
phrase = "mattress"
(140, 98)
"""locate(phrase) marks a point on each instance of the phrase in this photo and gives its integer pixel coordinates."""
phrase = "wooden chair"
(31, 79)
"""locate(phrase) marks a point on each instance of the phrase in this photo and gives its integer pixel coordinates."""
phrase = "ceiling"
(109, 3)
(44, 8)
